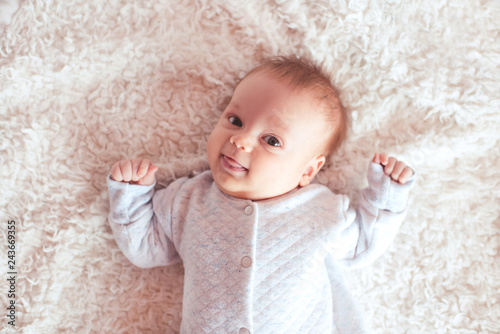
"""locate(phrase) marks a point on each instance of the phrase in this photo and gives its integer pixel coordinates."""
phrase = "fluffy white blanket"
(85, 83)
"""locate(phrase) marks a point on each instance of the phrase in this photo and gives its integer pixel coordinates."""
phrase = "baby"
(260, 244)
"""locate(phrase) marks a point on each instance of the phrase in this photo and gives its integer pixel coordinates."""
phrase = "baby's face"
(268, 141)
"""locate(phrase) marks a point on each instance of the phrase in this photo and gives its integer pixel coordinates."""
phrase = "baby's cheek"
(211, 147)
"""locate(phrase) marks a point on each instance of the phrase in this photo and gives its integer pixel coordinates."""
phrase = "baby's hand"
(136, 171)
(398, 170)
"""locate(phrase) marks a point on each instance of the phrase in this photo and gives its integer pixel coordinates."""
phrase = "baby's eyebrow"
(233, 105)
(278, 122)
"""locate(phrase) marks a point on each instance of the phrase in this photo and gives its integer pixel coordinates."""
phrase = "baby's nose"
(242, 141)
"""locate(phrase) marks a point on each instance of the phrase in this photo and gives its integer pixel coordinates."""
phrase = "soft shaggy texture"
(85, 83)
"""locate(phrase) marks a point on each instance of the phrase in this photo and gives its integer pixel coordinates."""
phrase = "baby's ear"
(312, 169)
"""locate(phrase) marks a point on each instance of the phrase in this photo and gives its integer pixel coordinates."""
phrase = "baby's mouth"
(233, 165)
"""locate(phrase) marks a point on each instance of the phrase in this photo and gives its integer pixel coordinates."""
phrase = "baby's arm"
(370, 228)
(141, 236)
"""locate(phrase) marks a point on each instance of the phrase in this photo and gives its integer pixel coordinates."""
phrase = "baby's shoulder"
(318, 195)
(186, 187)
(200, 180)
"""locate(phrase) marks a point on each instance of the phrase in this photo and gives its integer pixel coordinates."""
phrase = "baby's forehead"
(297, 115)
(284, 101)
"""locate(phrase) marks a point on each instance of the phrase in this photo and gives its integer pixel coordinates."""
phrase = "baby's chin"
(258, 194)
(244, 185)
(230, 188)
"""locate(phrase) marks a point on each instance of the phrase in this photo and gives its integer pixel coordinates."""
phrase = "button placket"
(246, 261)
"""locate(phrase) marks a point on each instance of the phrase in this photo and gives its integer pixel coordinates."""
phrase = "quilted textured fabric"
(259, 266)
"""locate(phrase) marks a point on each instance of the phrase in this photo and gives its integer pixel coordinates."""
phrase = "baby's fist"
(398, 170)
(136, 171)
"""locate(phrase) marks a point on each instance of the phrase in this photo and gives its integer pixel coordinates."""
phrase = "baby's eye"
(273, 141)
(235, 121)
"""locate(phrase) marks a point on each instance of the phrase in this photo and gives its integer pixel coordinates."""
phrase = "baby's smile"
(233, 166)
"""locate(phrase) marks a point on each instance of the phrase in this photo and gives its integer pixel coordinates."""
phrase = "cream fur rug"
(85, 83)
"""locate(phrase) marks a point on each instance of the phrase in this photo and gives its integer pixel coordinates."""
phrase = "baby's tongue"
(234, 164)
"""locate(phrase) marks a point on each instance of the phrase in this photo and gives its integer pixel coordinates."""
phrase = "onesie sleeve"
(370, 229)
(143, 237)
